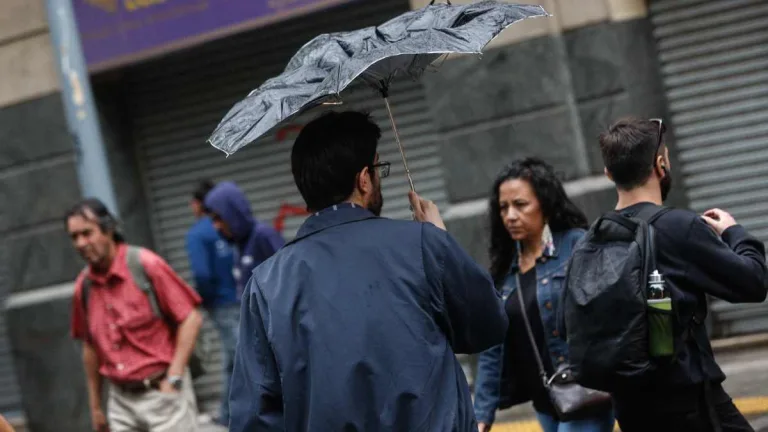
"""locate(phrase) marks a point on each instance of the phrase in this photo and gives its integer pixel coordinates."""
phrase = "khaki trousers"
(153, 411)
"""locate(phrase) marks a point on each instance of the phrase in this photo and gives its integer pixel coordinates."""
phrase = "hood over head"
(228, 202)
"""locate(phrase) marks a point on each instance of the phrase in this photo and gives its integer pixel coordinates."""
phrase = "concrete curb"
(739, 342)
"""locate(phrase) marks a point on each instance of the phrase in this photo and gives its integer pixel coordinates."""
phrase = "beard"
(377, 202)
(665, 184)
(97, 256)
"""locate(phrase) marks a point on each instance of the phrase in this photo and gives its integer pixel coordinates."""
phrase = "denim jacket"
(494, 384)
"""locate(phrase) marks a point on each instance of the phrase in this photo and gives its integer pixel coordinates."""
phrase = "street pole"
(91, 159)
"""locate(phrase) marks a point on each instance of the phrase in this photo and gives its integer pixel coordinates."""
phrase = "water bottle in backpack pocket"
(660, 318)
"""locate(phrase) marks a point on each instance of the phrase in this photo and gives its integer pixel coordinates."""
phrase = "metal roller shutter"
(176, 103)
(714, 56)
(10, 395)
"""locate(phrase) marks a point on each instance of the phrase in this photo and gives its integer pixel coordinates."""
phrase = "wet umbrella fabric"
(403, 46)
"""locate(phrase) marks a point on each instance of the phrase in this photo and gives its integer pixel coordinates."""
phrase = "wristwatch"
(176, 381)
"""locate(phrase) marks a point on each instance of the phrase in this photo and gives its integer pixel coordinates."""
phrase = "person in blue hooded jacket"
(254, 241)
(355, 323)
(211, 260)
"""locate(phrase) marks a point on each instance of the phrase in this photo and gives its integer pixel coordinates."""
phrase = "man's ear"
(607, 174)
(364, 183)
(659, 165)
(667, 160)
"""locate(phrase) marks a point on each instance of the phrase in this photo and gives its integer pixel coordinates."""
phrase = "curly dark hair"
(559, 211)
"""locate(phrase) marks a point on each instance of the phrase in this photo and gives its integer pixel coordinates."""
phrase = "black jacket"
(695, 261)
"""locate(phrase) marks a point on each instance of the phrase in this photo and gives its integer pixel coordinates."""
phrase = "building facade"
(545, 87)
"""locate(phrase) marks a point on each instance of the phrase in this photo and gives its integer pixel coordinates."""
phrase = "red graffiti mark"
(285, 211)
(282, 133)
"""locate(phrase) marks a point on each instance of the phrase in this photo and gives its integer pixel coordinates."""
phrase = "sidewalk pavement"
(743, 359)
(206, 424)
(210, 427)
(747, 383)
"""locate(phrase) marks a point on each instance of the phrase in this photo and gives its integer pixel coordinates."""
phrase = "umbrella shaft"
(399, 144)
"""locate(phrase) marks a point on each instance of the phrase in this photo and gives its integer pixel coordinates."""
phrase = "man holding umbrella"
(354, 324)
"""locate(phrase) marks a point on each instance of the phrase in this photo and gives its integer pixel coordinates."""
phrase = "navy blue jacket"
(496, 385)
(254, 241)
(353, 326)
(211, 260)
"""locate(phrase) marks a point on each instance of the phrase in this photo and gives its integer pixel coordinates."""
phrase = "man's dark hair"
(329, 152)
(202, 189)
(628, 148)
(89, 207)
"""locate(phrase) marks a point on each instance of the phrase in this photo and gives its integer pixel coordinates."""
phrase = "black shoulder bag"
(571, 400)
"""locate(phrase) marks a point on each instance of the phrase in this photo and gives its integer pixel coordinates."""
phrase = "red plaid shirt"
(131, 342)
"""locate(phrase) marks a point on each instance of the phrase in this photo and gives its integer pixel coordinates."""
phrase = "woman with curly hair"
(529, 208)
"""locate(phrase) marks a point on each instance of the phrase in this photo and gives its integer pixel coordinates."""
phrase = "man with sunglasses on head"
(353, 325)
(698, 255)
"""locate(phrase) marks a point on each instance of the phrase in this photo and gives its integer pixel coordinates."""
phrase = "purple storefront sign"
(116, 32)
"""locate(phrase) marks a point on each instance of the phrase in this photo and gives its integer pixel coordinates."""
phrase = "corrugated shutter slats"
(714, 57)
(10, 394)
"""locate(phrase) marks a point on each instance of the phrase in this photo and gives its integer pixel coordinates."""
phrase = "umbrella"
(403, 46)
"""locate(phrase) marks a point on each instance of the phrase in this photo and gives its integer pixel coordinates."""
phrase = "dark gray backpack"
(605, 301)
(143, 282)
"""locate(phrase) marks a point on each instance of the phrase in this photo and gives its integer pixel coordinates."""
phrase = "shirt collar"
(119, 267)
(332, 216)
(549, 253)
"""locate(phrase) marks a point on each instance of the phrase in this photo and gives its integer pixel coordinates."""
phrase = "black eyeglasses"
(662, 130)
(382, 168)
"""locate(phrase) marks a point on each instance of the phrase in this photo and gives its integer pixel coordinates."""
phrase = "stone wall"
(38, 183)
(547, 96)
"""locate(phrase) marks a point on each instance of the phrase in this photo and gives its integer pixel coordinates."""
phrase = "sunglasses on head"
(662, 130)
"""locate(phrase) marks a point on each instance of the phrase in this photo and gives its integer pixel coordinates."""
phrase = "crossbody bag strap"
(542, 371)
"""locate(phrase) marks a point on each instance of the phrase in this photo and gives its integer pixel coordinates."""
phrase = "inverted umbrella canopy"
(403, 46)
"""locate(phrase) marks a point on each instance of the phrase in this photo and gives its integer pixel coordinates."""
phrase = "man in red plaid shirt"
(137, 339)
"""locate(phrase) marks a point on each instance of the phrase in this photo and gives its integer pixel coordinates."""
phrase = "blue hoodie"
(211, 260)
(254, 241)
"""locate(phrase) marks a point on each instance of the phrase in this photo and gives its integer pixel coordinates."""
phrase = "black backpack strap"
(144, 283)
(140, 278)
(651, 213)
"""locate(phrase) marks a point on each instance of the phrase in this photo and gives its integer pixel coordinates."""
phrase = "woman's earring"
(547, 241)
